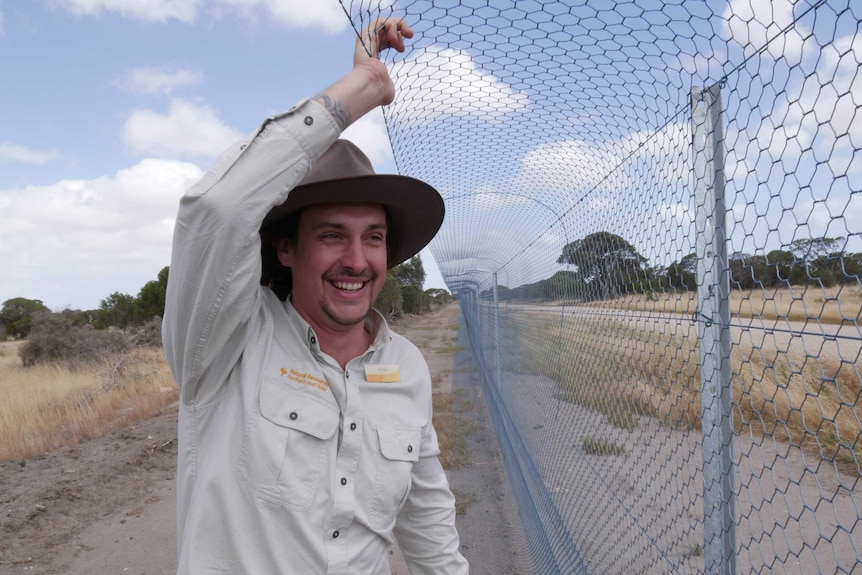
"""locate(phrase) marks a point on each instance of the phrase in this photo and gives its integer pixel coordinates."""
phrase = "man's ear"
(284, 251)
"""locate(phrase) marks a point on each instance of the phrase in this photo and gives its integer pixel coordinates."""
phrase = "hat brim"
(416, 210)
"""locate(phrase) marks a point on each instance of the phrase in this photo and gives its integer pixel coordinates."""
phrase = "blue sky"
(111, 108)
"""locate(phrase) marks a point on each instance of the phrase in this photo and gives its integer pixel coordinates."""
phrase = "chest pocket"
(399, 449)
(287, 445)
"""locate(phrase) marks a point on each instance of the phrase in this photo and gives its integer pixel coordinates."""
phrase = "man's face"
(338, 263)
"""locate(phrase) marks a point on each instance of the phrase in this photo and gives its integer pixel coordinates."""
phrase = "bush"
(54, 337)
(149, 334)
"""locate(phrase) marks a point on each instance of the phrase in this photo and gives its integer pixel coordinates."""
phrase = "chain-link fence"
(653, 227)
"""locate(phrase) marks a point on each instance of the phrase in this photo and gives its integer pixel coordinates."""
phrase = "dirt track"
(107, 505)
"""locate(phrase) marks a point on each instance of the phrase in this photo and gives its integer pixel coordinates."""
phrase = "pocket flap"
(297, 410)
(399, 442)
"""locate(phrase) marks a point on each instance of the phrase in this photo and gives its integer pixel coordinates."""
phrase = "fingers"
(388, 33)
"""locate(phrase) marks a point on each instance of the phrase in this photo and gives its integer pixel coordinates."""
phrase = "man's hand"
(377, 37)
(368, 84)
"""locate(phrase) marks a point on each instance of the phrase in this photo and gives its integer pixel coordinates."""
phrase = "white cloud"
(187, 130)
(369, 134)
(324, 14)
(758, 24)
(574, 167)
(147, 10)
(157, 80)
(13, 153)
(77, 241)
(450, 83)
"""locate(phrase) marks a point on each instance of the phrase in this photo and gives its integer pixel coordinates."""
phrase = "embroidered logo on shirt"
(382, 373)
(305, 379)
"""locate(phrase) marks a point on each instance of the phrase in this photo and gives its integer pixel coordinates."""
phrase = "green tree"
(150, 302)
(116, 310)
(607, 261)
(389, 301)
(411, 274)
(17, 315)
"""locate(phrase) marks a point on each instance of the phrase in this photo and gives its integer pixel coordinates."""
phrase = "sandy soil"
(107, 505)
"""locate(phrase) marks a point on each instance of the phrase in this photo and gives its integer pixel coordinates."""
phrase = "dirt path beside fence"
(107, 505)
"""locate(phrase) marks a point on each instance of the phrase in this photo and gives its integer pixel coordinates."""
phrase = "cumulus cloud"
(453, 85)
(290, 13)
(187, 130)
(157, 80)
(147, 10)
(12, 153)
(80, 240)
(757, 25)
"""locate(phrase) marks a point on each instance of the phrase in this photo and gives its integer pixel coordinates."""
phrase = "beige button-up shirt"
(287, 463)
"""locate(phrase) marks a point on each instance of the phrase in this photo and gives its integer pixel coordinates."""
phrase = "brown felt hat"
(344, 174)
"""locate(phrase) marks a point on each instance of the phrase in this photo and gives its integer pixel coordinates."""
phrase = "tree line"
(402, 294)
(606, 266)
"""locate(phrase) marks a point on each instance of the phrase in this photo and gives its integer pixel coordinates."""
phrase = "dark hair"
(279, 278)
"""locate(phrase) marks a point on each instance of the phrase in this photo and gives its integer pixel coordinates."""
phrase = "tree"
(150, 302)
(389, 301)
(116, 310)
(17, 315)
(411, 274)
(607, 261)
(809, 249)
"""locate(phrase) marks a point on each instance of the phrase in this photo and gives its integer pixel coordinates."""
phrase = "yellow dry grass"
(49, 406)
(626, 371)
(834, 305)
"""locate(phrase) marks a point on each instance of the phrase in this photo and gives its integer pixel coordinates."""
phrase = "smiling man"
(305, 434)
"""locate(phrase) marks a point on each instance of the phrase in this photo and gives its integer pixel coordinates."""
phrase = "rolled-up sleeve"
(213, 287)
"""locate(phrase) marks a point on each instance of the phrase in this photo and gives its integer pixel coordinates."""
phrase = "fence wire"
(653, 227)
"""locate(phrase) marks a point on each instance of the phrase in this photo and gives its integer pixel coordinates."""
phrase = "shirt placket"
(338, 536)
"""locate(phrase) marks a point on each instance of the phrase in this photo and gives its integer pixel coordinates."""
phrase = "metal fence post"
(497, 334)
(714, 331)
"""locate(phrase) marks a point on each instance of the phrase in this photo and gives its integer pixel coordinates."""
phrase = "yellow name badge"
(380, 373)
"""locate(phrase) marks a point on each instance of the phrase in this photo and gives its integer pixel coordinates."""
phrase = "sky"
(110, 109)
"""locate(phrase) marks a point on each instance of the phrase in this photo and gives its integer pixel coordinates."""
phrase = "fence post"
(713, 287)
(497, 334)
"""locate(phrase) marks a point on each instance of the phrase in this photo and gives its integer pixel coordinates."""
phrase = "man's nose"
(353, 257)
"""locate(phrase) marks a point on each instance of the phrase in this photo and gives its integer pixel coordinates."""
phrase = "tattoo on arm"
(333, 106)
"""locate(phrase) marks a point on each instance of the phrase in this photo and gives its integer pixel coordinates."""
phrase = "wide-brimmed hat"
(344, 174)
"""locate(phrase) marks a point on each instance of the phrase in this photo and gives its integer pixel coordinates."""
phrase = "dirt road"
(107, 506)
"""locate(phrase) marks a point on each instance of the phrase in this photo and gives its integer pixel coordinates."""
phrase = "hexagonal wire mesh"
(653, 227)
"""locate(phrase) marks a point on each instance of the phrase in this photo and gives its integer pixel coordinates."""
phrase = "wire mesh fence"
(653, 227)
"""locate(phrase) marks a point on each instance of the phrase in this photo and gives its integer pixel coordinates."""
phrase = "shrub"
(54, 337)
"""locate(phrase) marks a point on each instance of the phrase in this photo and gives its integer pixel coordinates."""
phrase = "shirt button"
(352, 427)
(309, 121)
(313, 340)
(346, 375)
(409, 449)
(344, 481)
(335, 534)
(293, 415)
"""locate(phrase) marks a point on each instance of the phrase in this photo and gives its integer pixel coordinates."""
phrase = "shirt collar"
(375, 323)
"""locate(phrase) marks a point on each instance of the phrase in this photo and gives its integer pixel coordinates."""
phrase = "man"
(305, 435)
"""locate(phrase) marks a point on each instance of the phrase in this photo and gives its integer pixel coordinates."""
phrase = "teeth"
(348, 286)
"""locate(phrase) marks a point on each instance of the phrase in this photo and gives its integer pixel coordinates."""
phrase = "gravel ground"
(107, 505)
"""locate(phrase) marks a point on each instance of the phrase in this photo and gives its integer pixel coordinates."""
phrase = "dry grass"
(625, 372)
(452, 430)
(835, 305)
(48, 406)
